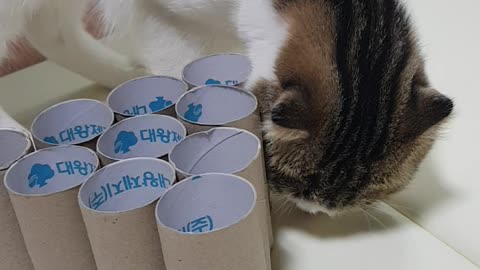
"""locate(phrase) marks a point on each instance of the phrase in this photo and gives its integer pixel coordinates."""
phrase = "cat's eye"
(289, 85)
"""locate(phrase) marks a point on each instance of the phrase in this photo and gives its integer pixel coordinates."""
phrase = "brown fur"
(301, 113)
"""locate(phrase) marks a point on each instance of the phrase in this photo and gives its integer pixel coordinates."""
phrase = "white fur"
(145, 37)
(157, 37)
(312, 207)
(264, 32)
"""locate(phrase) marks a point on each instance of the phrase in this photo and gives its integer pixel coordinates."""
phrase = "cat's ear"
(429, 109)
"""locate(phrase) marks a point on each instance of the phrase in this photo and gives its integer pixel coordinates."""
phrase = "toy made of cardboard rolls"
(66, 226)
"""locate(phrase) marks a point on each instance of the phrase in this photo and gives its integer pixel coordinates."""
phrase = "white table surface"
(445, 196)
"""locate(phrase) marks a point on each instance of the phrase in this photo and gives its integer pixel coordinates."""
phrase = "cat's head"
(351, 113)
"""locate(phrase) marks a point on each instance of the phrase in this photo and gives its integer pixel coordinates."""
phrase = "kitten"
(347, 109)
(351, 113)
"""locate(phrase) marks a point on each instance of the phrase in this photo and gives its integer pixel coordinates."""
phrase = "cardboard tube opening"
(142, 136)
(146, 95)
(15, 144)
(220, 150)
(215, 105)
(206, 203)
(219, 69)
(51, 171)
(126, 185)
(71, 122)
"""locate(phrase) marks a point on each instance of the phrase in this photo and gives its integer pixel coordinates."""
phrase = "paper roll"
(118, 209)
(210, 222)
(73, 122)
(206, 107)
(146, 95)
(15, 144)
(43, 189)
(141, 136)
(226, 150)
(230, 69)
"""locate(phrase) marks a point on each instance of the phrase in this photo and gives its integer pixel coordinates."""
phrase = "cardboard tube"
(206, 107)
(43, 189)
(146, 95)
(142, 136)
(73, 122)
(210, 222)
(118, 209)
(230, 69)
(15, 144)
(226, 150)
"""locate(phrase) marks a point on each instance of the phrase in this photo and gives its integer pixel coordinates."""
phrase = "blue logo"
(39, 175)
(194, 112)
(51, 140)
(159, 104)
(212, 82)
(124, 141)
(199, 225)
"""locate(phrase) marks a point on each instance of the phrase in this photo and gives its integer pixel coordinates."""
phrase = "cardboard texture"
(118, 209)
(206, 107)
(210, 222)
(15, 144)
(141, 136)
(73, 122)
(146, 95)
(43, 189)
(229, 69)
(226, 150)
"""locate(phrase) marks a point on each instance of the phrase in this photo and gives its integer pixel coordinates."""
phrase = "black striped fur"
(352, 113)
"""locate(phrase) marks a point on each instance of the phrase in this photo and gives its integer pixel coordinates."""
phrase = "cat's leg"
(12, 20)
(58, 33)
(165, 35)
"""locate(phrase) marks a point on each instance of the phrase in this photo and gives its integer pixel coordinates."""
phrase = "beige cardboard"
(73, 122)
(13, 253)
(146, 95)
(54, 232)
(231, 69)
(48, 215)
(121, 228)
(236, 244)
(125, 240)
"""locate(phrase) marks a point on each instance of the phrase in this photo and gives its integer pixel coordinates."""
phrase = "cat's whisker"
(366, 217)
(376, 219)
(378, 208)
(283, 204)
(401, 207)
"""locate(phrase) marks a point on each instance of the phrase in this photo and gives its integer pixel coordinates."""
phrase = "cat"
(347, 109)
